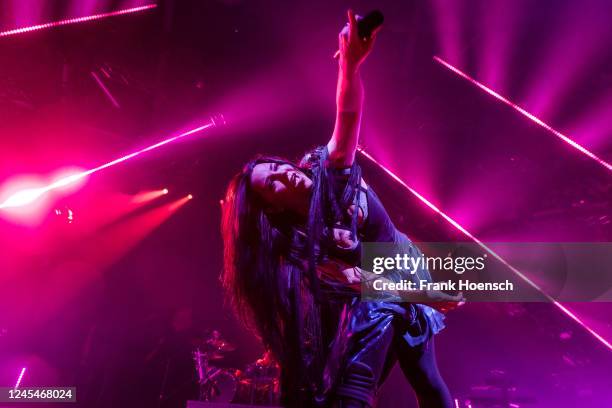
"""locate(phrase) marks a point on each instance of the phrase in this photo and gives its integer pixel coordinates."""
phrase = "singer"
(292, 236)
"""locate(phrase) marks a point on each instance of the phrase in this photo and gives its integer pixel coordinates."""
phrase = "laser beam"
(76, 20)
(28, 196)
(20, 377)
(106, 91)
(525, 113)
(458, 226)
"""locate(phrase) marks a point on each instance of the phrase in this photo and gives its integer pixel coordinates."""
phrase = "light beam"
(20, 377)
(28, 196)
(523, 112)
(147, 196)
(458, 226)
(76, 20)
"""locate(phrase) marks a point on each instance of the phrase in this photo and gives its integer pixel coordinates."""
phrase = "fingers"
(352, 19)
(343, 35)
(353, 29)
(351, 46)
(345, 30)
(460, 300)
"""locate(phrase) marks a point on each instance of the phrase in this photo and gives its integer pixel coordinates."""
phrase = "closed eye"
(269, 183)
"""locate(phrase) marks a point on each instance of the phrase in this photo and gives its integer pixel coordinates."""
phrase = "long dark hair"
(270, 270)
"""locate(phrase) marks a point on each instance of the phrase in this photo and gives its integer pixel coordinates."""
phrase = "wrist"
(349, 71)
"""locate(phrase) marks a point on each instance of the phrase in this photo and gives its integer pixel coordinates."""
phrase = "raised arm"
(349, 93)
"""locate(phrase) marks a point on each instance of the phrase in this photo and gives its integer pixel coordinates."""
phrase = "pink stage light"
(455, 224)
(147, 196)
(23, 197)
(523, 112)
(20, 377)
(28, 196)
(179, 203)
(76, 20)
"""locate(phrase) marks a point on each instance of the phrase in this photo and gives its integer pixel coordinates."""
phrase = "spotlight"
(23, 197)
(146, 196)
(28, 196)
(189, 197)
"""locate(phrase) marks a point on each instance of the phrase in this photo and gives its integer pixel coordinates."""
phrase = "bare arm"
(349, 94)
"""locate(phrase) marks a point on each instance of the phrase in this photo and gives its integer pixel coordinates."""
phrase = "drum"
(220, 386)
(258, 385)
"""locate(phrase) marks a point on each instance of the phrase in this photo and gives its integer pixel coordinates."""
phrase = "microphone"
(366, 25)
(369, 23)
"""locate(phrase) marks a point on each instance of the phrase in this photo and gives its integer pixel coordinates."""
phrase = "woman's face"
(282, 186)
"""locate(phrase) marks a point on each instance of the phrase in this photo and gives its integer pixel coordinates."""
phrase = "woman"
(292, 235)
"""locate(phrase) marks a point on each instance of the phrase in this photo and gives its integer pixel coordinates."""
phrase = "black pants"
(364, 375)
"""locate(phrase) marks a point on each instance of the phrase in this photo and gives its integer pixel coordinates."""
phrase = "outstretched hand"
(353, 49)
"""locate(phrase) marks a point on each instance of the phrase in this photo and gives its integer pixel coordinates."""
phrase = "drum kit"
(258, 384)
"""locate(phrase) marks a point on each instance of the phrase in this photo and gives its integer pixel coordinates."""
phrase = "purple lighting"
(76, 20)
(525, 113)
(28, 196)
(486, 248)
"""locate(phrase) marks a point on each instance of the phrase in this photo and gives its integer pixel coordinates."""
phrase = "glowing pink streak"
(146, 149)
(76, 20)
(20, 377)
(486, 248)
(525, 113)
(108, 94)
(25, 197)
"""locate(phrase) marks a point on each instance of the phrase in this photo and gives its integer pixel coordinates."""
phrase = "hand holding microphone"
(357, 38)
